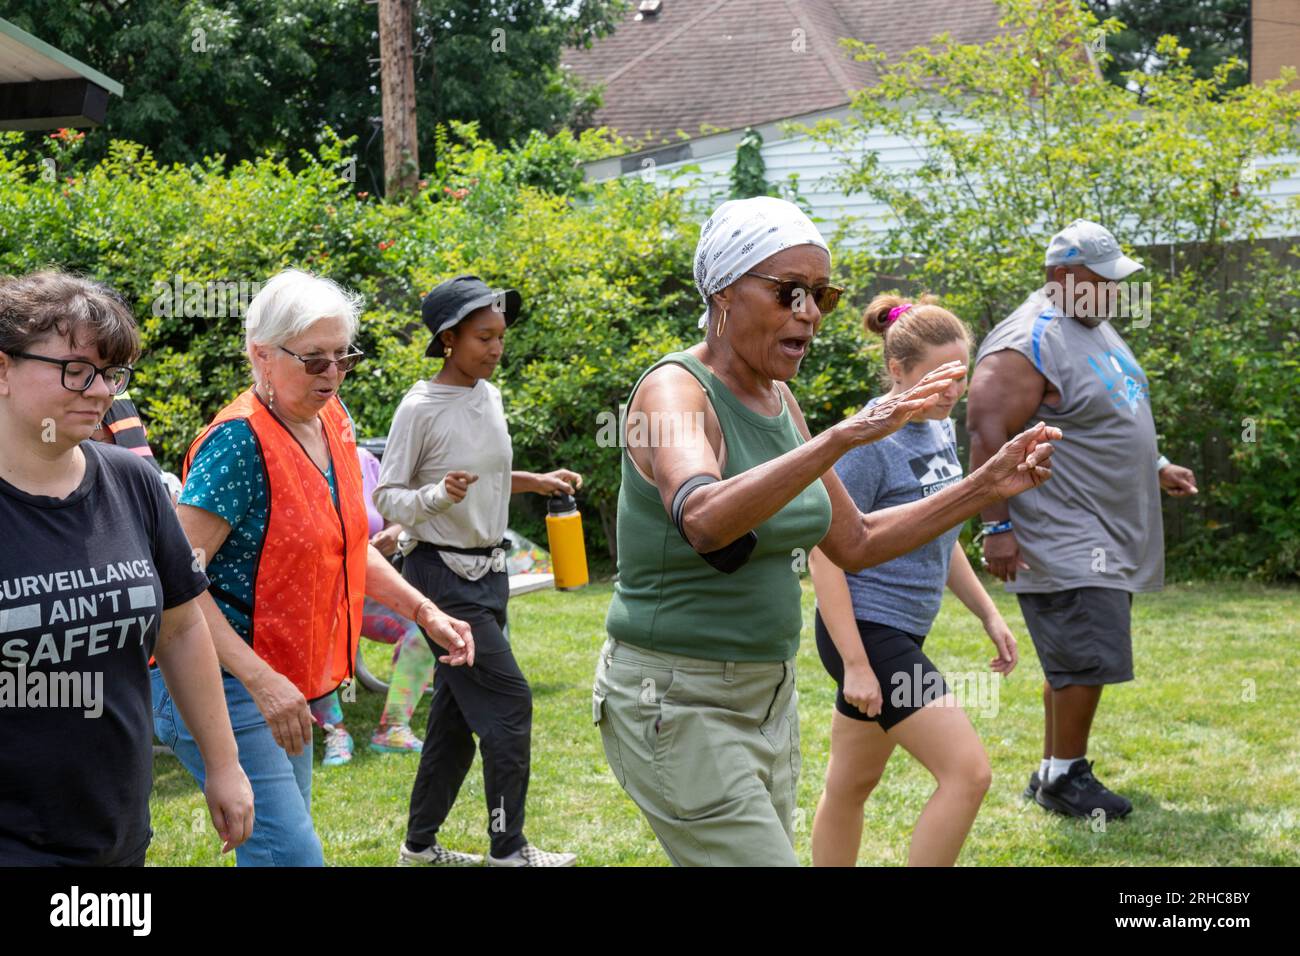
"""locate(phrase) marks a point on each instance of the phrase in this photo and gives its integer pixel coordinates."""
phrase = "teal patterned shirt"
(227, 479)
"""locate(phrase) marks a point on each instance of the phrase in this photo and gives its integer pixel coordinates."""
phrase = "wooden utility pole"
(397, 88)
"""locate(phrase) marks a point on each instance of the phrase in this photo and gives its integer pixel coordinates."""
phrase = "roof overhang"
(44, 88)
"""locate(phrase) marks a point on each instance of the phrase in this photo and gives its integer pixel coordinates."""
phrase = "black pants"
(490, 700)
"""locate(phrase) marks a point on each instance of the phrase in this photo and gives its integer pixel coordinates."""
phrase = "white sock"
(1043, 765)
(1059, 765)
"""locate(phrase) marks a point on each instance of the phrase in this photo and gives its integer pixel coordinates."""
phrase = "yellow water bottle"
(564, 534)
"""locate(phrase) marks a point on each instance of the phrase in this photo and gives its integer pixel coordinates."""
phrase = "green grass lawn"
(1204, 742)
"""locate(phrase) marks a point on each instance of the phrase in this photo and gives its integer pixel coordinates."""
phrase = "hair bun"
(876, 318)
(910, 326)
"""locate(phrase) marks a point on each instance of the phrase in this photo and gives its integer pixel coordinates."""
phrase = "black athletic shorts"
(908, 679)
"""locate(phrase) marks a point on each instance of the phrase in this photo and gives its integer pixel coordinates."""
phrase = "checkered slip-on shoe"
(529, 855)
(436, 855)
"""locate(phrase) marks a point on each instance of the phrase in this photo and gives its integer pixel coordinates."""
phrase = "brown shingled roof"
(704, 65)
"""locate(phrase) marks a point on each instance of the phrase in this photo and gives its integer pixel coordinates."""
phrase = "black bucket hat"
(450, 302)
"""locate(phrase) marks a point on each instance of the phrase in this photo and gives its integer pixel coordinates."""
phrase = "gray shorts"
(1081, 635)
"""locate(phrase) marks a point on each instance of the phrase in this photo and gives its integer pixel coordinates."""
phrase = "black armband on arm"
(726, 559)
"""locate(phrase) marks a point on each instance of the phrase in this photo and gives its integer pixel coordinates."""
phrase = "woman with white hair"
(273, 503)
(695, 687)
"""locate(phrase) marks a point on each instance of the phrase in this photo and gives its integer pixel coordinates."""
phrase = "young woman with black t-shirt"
(104, 578)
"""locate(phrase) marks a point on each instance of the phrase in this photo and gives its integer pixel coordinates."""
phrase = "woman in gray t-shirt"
(870, 625)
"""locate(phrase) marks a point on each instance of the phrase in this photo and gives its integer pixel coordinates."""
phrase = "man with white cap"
(1076, 549)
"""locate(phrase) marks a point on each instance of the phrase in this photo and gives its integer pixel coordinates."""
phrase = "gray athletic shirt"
(1097, 522)
(912, 463)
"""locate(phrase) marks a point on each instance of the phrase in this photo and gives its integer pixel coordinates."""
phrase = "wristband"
(995, 527)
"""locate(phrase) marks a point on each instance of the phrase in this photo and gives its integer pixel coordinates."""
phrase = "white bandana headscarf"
(742, 233)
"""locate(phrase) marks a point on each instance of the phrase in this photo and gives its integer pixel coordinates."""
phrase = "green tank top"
(670, 599)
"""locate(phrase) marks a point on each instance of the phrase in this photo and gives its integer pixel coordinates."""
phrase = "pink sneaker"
(396, 739)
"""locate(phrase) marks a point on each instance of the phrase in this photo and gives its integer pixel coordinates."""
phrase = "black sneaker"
(1031, 789)
(1077, 793)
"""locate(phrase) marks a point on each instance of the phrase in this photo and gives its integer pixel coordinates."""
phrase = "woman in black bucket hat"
(449, 433)
(455, 300)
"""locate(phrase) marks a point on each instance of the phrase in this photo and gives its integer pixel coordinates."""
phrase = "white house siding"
(818, 166)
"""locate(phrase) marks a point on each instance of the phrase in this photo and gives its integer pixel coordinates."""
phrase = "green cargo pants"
(709, 750)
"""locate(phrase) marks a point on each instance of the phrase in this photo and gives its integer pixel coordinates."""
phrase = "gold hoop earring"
(722, 323)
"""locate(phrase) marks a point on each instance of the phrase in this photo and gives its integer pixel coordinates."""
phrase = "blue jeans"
(283, 834)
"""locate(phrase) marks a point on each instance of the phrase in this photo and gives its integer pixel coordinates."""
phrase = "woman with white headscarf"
(695, 686)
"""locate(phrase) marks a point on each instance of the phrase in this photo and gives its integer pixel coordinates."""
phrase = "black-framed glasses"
(79, 375)
(793, 292)
(319, 366)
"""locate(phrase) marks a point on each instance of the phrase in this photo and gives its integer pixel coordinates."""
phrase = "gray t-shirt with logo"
(1097, 522)
(912, 463)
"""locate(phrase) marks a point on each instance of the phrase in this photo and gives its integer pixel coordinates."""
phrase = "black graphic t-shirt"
(83, 584)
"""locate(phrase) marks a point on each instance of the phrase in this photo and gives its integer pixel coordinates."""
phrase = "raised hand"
(1022, 463)
(890, 414)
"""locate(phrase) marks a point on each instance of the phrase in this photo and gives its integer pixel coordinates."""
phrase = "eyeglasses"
(791, 290)
(319, 366)
(79, 375)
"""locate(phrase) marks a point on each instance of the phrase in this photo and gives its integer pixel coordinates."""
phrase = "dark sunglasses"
(790, 292)
(319, 366)
(79, 375)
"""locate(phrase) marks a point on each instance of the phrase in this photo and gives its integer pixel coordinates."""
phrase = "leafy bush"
(604, 270)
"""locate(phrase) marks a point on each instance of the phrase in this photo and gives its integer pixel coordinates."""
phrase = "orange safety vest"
(310, 581)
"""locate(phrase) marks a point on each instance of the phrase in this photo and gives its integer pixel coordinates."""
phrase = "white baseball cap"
(1084, 243)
